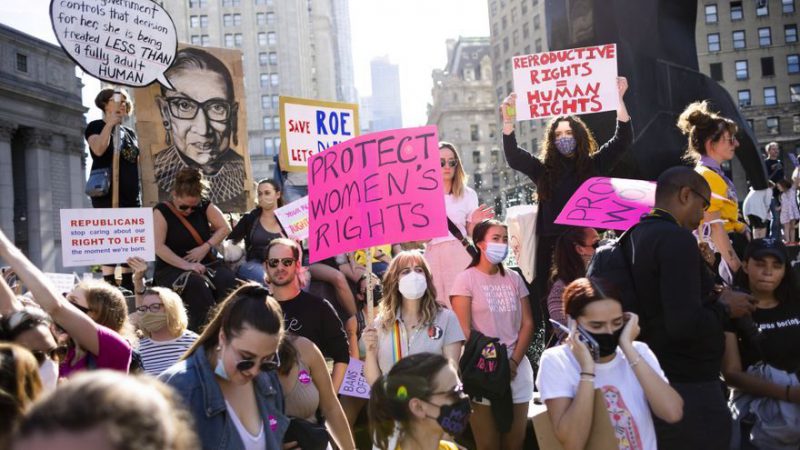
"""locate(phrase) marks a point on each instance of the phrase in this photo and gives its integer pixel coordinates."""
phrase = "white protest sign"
(64, 282)
(294, 218)
(311, 126)
(354, 384)
(564, 82)
(128, 42)
(106, 235)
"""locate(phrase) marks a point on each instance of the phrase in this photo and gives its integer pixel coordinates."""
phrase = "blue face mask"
(220, 369)
(496, 252)
(566, 145)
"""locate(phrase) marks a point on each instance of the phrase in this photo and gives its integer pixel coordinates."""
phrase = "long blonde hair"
(177, 320)
(392, 299)
(459, 177)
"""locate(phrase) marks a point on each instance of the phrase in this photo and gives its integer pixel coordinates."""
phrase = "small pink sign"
(304, 377)
(378, 188)
(612, 203)
(273, 423)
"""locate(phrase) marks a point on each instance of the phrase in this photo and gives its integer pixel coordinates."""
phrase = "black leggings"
(706, 422)
(198, 298)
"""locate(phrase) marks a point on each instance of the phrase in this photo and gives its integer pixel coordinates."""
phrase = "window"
(514, 15)
(773, 125)
(505, 44)
(266, 123)
(272, 38)
(273, 58)
(750, 123)
(205, 40)
(492, 130)
(524, 8)
(495, 157)
(504, 23)
(262, 59)
(237, 39)
(274, 79)
(275, 101)
(796, 126)
(790, 33)
(270, 18)
(22, 62)
(744, 97)
(195, 40)
(536, 22)
(227, 20)
(264, 79)
(262, 39)
(197, 3)
(764, 37)
(204, 21)
(474, 133)
(538, 45)
(738, 39)
(713, 42)
(715, 70)
(767, 66)
(793, 63)
(763, 9)
(526, 30)
(741, 70)
(737, 13)
(276, 123)
(265, 103)
(478, 180)
(231, 2)
(194, 21)
(228, 40)
(237, 19)
(711, 13)
(269, 149)
(277, 142)
(515, 38)
(770, 96)
(788, 6)
(476, 157)
(261, 19)
(794, 93)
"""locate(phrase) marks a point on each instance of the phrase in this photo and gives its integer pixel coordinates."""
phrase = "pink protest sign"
(561, 82)
(378, 188)
(615, 203)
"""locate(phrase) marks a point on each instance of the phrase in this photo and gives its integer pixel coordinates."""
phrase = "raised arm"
(80, 327)
(8, 301)
(518, 159)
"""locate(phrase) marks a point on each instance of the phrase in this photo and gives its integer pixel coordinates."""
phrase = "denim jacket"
(193, 379)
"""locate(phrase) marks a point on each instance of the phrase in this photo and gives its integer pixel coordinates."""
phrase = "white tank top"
(250, 442)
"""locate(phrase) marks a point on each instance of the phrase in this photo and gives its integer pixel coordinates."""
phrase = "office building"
(386, 112)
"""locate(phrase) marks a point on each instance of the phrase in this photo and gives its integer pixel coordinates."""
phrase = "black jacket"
(603, 161)
(486, 373)
(679, 316)
(244, 229)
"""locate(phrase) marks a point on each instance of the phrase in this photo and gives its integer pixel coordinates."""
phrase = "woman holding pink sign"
(568, 156)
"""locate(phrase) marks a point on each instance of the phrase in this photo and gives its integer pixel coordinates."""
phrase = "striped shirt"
(158, 356)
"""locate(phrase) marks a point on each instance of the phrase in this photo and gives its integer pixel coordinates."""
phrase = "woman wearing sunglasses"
(712, 141)
(161, 318)
(188, 227)
(446, 256)
(91, 345)
(228, 378)
(573, 252)
(417, 403)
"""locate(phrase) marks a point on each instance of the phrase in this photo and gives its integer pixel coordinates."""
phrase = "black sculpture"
(657, 53)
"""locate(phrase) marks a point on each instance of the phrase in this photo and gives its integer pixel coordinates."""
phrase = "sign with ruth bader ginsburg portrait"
(200, 122)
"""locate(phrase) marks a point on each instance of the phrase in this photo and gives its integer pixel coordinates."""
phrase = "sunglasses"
(265, 366)
(273, 262)
(706, 203)
(187, 207)
(154, 308)
(595, 245)
(56, 354)
(449, 162)
(456, 392)
(82, 308)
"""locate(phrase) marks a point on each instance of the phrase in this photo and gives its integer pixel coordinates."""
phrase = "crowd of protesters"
(686, 351)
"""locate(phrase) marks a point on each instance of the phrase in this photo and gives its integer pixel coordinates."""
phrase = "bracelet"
(514, 361)
(638, 358)
(590, 374)
(588, 380)
(144, 289)
(209, 244)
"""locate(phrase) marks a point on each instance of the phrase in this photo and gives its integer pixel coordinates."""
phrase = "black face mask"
(607, 343)
(454, 418)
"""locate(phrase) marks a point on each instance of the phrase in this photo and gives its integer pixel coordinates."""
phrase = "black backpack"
(611, 263)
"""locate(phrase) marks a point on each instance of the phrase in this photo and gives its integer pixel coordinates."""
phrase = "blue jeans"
(252, 270)
(292, 193)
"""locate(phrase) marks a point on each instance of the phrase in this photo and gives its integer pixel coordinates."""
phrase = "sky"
(411, 32)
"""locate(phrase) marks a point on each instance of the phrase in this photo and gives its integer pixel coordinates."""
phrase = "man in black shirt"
(681, 316)
(305, 314)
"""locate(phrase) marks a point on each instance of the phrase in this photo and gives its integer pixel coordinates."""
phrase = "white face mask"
(48, 373)
(413, 285)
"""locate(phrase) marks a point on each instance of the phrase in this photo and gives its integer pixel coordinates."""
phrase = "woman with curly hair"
(569, 155)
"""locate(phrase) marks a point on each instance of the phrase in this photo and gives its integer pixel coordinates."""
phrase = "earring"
(166, 124)
(168, 134)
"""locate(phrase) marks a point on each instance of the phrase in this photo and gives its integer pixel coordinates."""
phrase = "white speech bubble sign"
(126, 42)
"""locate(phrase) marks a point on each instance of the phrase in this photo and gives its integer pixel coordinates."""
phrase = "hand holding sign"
(130, 43)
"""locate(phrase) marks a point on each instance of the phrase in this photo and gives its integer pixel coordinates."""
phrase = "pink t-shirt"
(495, 301)
(114, 353)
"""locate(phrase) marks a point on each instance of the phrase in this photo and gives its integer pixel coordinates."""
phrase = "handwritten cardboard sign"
(106, 235)
(130, 42)
(573, 81)
(613, 203)
(311, 126)
(354, 384)
(294, 218)
(64, 282)
(379, 188)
